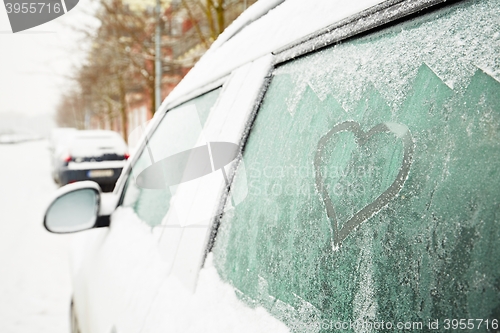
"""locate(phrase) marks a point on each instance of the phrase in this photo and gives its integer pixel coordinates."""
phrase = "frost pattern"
(427, 253)
(365, 303)
(450, 46)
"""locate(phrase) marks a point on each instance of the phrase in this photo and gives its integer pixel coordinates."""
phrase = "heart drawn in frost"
(399, 130)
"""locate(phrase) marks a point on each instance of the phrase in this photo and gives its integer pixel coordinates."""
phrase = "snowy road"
(34, 268)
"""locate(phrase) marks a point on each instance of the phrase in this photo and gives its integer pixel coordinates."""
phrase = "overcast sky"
(33, 63)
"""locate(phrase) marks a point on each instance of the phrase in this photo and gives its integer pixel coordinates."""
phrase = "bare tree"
(121, 59)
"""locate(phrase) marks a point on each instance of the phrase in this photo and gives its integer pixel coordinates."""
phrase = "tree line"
(119, 68)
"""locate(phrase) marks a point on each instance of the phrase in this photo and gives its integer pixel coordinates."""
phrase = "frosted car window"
(373, 172)
(178, 131)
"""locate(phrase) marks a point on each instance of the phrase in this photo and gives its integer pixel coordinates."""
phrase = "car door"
(188, 300)
(373, 167)
(120, 275)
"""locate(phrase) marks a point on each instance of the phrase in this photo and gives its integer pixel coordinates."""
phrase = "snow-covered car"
(97, 155)
(363, 194)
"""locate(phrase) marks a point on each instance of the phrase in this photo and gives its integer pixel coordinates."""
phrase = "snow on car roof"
(97, 143)
(283, 24)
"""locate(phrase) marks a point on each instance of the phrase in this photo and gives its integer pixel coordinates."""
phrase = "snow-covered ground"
(34, 264)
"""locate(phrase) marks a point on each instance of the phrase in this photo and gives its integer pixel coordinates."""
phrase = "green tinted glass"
(373, 172)
(178, 131)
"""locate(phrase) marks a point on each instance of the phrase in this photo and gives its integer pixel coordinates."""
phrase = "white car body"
(132, 278)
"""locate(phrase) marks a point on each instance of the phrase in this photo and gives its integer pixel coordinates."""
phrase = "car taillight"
(126, 156)
(67, 158)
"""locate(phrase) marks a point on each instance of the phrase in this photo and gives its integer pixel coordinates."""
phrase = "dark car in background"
(93, 155)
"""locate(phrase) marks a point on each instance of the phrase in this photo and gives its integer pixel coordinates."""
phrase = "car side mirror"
(75, 208)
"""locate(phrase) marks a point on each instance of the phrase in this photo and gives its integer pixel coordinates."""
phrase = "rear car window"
(178, 132)
(373, 181)
(97, 148)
